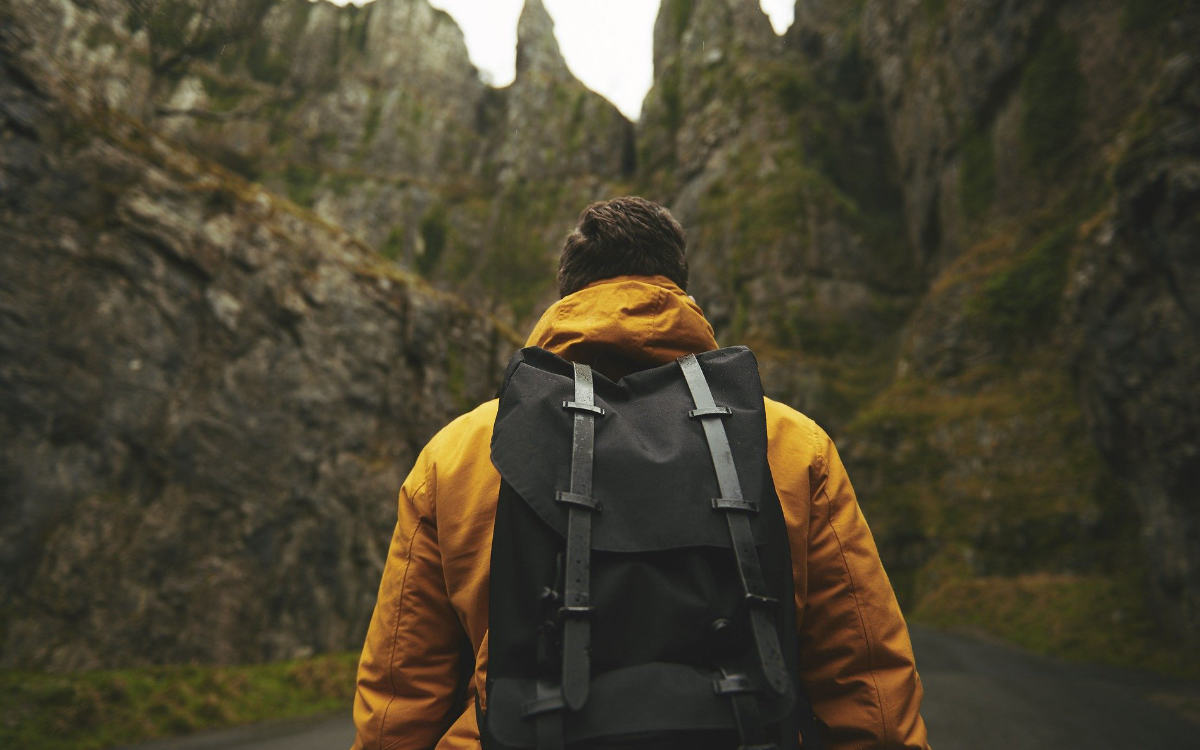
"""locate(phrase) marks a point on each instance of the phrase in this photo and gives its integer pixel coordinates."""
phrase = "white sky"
(608, 44)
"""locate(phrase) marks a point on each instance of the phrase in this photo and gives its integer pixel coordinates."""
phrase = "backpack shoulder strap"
(736, 509)
(577, 609)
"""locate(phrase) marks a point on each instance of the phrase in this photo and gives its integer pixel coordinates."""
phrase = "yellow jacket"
(856, 661)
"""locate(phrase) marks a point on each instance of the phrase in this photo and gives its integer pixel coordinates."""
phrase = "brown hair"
(626, 236)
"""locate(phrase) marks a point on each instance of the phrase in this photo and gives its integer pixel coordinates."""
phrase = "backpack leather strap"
(740, 691)
(577, 609)
(546, 710)
(735, 508)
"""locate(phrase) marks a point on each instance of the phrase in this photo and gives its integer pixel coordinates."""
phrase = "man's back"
(855, 659)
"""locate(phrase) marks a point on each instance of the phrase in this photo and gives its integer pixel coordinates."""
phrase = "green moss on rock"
(680, 13)
(990, 473)
(301, 181)
(371, 124)
(434, 229)
(934, 9)
(1147, 15)
(224, 95)
(977, 175)
(1019, 304)
(393, 246)
(1053, 99)
(266, 65)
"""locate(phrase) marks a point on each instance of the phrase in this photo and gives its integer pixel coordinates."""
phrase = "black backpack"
(641, 589)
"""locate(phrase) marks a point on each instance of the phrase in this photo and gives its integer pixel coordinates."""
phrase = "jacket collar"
(624, 324)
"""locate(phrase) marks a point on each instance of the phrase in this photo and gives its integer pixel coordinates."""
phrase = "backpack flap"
(645, 446)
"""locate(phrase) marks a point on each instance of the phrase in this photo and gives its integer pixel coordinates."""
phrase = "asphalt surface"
(990, 696)
(978, 696)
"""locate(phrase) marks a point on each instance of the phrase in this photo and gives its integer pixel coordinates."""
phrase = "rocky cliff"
(210, 395)
(960, 235)
(954, 233)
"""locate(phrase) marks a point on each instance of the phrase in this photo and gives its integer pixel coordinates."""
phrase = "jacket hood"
(624, 324)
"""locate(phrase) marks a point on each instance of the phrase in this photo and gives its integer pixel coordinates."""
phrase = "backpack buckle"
(574, 498)
(732, 684)
(734, 503)
(576, 610)
(760, 600)
(548, 594)
(710, 411)
(580, 406)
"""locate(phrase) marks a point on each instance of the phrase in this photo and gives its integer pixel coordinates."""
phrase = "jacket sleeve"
(408, 673)
(856, 659)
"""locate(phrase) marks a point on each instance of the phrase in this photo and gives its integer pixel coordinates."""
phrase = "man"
(624, 308)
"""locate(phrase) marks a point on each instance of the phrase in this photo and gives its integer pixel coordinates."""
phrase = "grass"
(1098, 619)
(101, 709)
(991, 473)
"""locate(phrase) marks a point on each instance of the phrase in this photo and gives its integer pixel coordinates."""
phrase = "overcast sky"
(607, 43)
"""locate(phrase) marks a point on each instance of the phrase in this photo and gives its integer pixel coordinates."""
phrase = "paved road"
(978, 696)
(986, 696)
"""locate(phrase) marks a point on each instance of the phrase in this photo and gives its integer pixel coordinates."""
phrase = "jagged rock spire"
(537, 47)
(709, 28)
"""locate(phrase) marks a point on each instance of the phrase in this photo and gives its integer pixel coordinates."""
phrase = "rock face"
(959, 235)
(1050, 187)
(1138, 360)
(774, 159)
(953, 232)
(209, 398)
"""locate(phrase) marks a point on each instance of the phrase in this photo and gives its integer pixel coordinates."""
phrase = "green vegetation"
(519, 270)
(1019, 304)
(224, 95)
(1088, 618)
(167, 21)
(371, 124)
(92, 710)
(977, 172)
(434, 229)
(794, 87)
(672, 99)
(680, 13)
(989, 473)
(357, 33)
(456, 379)
(1140, 15)
(393, 246)
(301, 181)
(342, 182)
(843, 138)
(266, 65)
(100, 34)
(1053, 96)
(243, 164)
